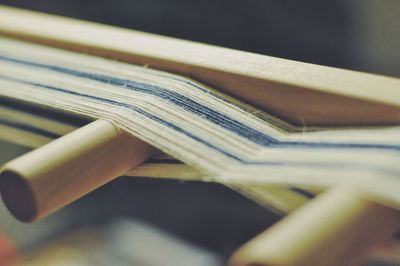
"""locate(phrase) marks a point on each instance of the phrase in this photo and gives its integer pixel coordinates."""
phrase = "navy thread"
(202, 111)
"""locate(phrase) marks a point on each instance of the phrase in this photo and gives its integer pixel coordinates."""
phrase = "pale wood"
(337, 228)
(46, 179)
(330, 231)
(302, 93)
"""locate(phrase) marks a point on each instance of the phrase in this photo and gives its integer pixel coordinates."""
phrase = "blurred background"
(199, 220)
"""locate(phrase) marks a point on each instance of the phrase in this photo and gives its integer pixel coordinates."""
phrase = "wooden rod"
(336, 228)
(304, 94)
(46, 179)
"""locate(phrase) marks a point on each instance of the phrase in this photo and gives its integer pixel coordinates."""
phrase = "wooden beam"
(302, 93)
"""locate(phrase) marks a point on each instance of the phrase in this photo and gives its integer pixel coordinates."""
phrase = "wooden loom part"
(337, 228)
(24, 178)
(46, 179)
(302, 93)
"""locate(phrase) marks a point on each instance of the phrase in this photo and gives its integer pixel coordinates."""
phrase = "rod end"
(18, 196)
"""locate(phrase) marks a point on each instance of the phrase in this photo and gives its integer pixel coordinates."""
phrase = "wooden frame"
(302, 93)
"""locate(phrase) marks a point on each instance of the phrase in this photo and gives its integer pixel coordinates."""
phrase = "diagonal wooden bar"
(337, 228)
(302, 93)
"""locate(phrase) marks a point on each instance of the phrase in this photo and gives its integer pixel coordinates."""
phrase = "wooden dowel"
(44, 180)
(337, 228)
